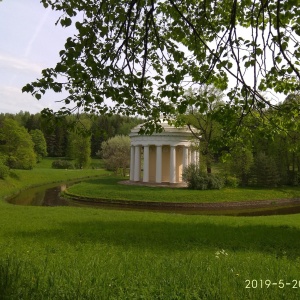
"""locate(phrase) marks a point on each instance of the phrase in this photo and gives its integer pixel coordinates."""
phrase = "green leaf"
(28, 88)
(38, 96)
(66, 22)
(258, 51)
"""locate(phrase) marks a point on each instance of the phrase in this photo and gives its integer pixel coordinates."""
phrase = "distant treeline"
(57, 130)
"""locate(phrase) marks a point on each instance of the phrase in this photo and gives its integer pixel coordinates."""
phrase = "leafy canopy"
(141, 55)
(16, 145)
(40, 145)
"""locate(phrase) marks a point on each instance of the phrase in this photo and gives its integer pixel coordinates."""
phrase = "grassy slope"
(41, 174)
(86, 253)
(82, 253)
(108, 188)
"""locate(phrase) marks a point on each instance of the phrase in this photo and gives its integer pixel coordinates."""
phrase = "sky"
(30, 42)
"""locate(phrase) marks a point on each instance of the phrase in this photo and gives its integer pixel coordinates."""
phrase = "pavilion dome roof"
(167, 129)
(170, 135)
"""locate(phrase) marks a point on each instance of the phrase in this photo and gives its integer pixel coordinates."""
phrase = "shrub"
(62, 164)
(215, 182)
(190, 175)
(231, 181)
(199, 180)
(116, 153)
(4, 170)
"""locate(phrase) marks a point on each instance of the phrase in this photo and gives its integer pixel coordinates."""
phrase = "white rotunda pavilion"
(161, 157)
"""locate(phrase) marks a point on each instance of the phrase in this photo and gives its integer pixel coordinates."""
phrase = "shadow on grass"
(14, 175)
(173, 236)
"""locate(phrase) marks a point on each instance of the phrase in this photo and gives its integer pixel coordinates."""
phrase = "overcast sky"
(30, 42)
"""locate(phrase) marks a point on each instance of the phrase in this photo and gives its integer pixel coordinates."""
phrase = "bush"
(116, 153)
(231, 181)
(215, 182)
(62, 164)
(199, 180)
(4, 170)
(190, 175)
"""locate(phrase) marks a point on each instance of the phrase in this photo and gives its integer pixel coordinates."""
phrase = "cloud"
(19, 64)
(12, 100)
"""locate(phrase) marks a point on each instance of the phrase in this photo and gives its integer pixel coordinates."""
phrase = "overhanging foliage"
(141, 55)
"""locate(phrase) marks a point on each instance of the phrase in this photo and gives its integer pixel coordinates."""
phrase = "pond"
(50, 195)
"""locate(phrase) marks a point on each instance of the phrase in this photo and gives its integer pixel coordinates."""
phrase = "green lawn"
(109, 188)
(86, 253)
(42, 174)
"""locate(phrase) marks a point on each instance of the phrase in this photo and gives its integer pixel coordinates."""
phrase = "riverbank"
(108, 188)
(109, 192)
(20, 180)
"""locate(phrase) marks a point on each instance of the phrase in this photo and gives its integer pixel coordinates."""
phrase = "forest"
(56, 137)
(57, 131)
(264, 150)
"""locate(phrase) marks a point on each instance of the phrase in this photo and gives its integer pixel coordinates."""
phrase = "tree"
(82, 154)
(79, 144)
(16, 145)
(56, 132)
(203, 120)
(287, 142)
(140, 55)
(265, 171)
(40, 146)
(105, 127)
(116, 153)
(240, 163)
(279, 138)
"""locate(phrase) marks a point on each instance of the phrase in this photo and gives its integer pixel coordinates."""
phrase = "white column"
(185, 155)
(158, 174)
(137, 163)
(131, 163)
(197, 158)
(172, 164)
(146, 164)
(194, 157)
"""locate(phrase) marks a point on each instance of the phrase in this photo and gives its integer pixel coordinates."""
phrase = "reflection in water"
(49, 195)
